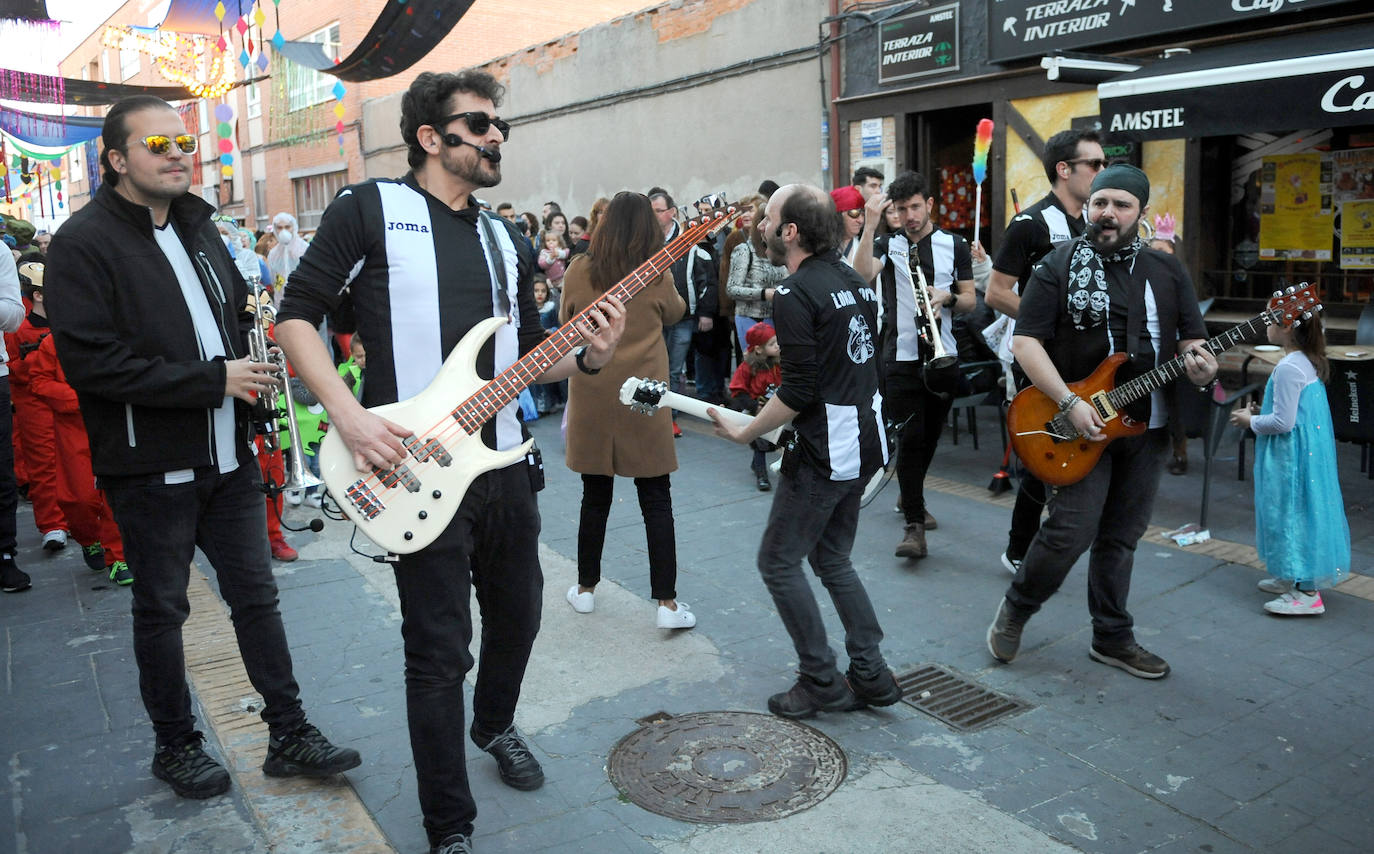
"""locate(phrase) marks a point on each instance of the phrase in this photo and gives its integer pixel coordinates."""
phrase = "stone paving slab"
(1259, 740)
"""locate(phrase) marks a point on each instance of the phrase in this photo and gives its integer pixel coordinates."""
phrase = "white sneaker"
(1011, 564)
(582, 603)
(682, 618)
(314, 499)
(294, 498)
(1297, 604)
(55, 540)
(1275, 585)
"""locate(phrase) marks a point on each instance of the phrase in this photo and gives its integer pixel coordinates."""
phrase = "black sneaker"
(880, 690)
(307, 753)
(1134, 659)
(519, 769)
(808, 696)
(189, 770)
(458, 843)
(94, 556)
(12, 578)
(1004, 635)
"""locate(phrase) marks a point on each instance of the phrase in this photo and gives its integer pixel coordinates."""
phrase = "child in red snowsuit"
(35, 445)
(755, 380)
(88, 516)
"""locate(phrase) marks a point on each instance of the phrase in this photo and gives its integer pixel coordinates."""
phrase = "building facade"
(288, 156)
(917, 80)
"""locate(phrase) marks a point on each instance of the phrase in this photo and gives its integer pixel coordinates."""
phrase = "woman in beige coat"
(607, 438)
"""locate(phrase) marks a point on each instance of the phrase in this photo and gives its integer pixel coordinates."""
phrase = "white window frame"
(306, 87)
(313, 194)
(254, 97)
(128, 63)
(260, 214)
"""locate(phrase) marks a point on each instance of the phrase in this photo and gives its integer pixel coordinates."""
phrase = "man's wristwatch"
(580, 356)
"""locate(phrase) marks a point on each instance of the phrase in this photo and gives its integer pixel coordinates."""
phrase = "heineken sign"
(1021, 28)
(924, 42)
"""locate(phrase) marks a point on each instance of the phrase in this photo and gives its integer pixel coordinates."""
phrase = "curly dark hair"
(906, 185)
(426, 102)
(114, 133)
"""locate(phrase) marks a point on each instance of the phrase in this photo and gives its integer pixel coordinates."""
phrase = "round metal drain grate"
(721, 767)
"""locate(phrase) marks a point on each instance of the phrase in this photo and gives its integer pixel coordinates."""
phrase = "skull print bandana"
(1088, 303)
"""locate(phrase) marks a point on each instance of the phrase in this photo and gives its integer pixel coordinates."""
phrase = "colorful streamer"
(982, 143)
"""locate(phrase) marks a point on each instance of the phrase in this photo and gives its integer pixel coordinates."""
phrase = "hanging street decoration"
(224, 115)
(28, 11)
(181, 58)
(403, 34)
(49, 131)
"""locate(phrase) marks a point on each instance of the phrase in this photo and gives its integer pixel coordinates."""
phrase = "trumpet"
(266, 412)
(941, 368)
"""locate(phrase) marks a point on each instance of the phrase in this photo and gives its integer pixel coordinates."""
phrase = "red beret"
(847, 198)
(759, 334)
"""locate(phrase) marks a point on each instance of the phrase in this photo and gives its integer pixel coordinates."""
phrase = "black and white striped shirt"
(420, 275)
(825, 316)
(945, 260)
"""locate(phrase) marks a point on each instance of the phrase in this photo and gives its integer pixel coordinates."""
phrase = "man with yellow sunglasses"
(147, 313)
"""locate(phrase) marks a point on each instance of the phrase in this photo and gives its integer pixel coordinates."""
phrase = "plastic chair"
(1217, 406)
(976, 375)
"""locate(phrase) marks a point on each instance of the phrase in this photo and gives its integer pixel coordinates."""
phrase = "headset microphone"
(1093, 230)
(453, 140)
(778, 233)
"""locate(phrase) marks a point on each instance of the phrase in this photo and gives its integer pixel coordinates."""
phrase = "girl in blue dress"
(1300, 527)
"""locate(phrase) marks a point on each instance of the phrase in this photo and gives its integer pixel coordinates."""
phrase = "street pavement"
(1260, 739)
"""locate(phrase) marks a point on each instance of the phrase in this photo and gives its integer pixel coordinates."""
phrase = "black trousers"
(9, 490)
(656, 504)
(1106, 511)
(492, 545)
(907, 398)
(162, 524)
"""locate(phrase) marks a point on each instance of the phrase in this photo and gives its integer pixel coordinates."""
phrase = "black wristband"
(580, 356)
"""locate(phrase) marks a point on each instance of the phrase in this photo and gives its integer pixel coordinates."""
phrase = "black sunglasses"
(478, 124)
(1096, 164)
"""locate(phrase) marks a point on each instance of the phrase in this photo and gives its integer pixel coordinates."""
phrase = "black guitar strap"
(498, 260)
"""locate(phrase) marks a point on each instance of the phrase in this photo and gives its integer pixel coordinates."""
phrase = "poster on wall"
(1353, 177)
(1296, 208)
(1357, 234)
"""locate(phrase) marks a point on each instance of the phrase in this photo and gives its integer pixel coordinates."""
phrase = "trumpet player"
(147, 312)
(927, 276)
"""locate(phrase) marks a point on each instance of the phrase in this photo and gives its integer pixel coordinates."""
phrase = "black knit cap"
(1123, 176)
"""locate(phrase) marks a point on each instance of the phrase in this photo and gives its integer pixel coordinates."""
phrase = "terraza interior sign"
(1020, 28)
(924, 42)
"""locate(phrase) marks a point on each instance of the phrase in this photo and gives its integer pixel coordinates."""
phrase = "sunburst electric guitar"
(404, 508)
(1055, 452)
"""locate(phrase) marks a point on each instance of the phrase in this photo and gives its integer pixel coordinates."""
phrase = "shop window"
(306, 87)
(313, 194)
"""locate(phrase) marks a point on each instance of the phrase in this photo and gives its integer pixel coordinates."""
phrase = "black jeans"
(656, 504)
(1025, 513)
(1108, 511)
(814, 517)
(492, 545)
(162, 524)
(907, 399)
(9, 490)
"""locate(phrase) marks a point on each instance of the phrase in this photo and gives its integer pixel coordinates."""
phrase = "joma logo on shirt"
(407, 226)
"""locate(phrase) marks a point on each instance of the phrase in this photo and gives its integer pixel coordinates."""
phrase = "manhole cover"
(720, 767)
(959, 702)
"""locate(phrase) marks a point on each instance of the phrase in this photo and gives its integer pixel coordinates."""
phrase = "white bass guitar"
(406, 507)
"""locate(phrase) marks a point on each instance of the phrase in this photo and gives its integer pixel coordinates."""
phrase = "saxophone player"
(914, 394)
